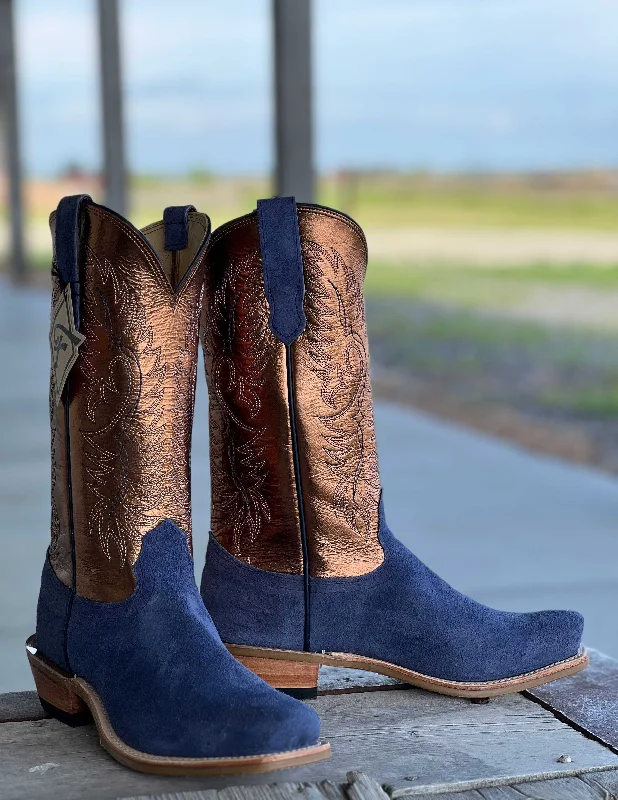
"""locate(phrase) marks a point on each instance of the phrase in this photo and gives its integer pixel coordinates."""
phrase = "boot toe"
(266, 721)
(298, 726)
(553, 636)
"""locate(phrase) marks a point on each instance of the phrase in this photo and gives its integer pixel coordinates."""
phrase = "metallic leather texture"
(334, 411)
(254, 499)
(131, 397)
(254, 512)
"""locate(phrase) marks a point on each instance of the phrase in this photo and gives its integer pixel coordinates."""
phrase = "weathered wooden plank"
(558, 789)
(413, 741)
(470, 794)
(283, 791)
(340, 680)
(599, 786)
(205, 794)
(332, 791)
(362, 787)
(359, 787)
(276, 791)
(578, 788)
(20, 707)
(588, 700)
(606, 783)
(45, 760)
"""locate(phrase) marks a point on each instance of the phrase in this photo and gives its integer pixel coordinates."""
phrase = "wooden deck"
(561, 741)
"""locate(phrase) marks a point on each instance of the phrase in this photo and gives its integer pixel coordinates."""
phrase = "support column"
(9, 131)
(293, 99)
(112, 107)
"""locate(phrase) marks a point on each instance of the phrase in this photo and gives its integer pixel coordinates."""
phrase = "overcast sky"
(435, 84)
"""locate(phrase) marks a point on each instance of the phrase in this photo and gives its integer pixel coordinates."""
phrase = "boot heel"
(295, 678)
(59, 701)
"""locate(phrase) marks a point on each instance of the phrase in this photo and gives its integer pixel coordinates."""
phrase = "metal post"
(10, 134)
(112, 106)
(293, 101)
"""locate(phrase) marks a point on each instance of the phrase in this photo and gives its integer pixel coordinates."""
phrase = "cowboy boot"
(122, 634)
(301, 568)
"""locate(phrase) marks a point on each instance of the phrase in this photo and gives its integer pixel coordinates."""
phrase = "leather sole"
(73, 701)
(296, 672)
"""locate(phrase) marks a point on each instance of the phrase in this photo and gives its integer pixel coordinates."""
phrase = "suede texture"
(168, 684)
(176, 227)
(67, 246)
(252, 606)
(282, 265)
(67, 232)
(402, 613)
(52, 615)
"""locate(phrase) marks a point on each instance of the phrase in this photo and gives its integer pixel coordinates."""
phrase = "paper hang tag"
(64, 342)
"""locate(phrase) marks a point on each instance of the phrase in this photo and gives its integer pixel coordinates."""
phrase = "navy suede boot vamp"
(400, 614)
(156, 663)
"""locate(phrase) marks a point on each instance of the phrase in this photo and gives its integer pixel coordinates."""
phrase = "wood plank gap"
(562, 717)
(589, 700)
(387, 687)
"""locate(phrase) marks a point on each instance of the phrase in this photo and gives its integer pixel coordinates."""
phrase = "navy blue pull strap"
(176, 221)
(67, 234)
(282, 264)
(67, 245)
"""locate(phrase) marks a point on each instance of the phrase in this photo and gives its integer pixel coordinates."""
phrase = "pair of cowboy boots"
(301, 567)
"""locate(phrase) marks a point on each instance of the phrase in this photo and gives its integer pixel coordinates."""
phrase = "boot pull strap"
(282, 264)
(176, 222)
(67, 245)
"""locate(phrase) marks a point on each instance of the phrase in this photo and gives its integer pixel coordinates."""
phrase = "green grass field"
(418, 201)
(511, 289)
(587, 201)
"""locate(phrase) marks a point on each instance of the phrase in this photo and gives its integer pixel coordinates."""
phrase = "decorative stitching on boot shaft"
(339, 471)
(334, 411)
(131, 402)
(254, 513)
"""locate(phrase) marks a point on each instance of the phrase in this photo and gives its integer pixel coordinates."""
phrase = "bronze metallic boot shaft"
(256, 381)
(124, 466)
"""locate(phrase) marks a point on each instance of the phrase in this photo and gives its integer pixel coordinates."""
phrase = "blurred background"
(477, 145)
